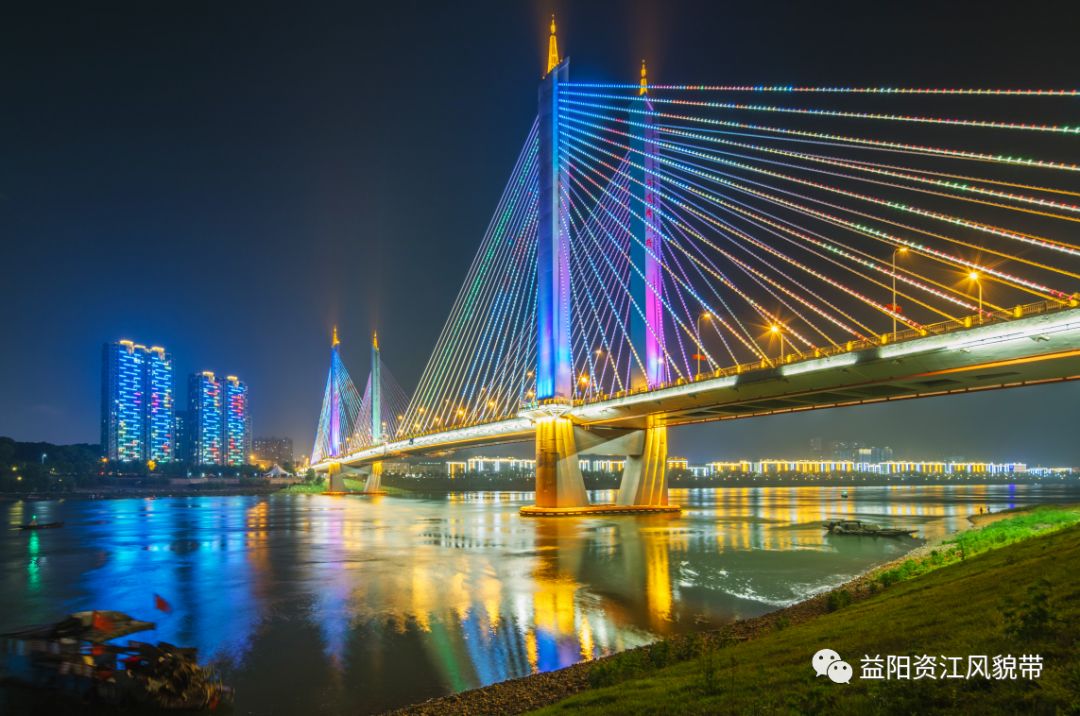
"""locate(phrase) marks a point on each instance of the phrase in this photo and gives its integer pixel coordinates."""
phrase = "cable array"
(482, 367)
(842, 224)
(340, 413)
(727, 234)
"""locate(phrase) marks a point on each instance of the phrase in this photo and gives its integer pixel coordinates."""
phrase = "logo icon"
(840, 672)
(823, 659)
(827, 662)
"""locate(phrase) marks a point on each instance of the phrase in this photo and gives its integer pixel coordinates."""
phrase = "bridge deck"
(1023, 351)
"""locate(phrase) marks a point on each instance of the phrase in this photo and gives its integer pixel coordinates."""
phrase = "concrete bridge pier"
(374, 478)
(335, 481)
(560, 489)
(558, 475)
(644, 480)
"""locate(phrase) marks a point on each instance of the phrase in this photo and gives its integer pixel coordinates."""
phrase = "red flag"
(161, 604)
(894, 307)
(698, 356)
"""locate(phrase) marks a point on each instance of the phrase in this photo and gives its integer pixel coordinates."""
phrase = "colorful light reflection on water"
(355, 605)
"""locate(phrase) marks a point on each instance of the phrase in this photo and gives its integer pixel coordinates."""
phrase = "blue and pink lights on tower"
(136, 403)
(236, 431)
(205, 411)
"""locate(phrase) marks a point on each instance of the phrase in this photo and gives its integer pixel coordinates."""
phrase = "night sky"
(230, 180)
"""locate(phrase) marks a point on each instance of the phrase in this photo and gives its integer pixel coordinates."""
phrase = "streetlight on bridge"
(778, 330)
(976, 277)
(895, 307)
(705, 315)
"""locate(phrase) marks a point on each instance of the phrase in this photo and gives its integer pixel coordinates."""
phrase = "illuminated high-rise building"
(181, 436)
(236, 422)
(160, 428)
(136, 403)
(205, 412)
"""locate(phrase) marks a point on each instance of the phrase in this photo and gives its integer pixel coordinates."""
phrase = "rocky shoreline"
(535, 691)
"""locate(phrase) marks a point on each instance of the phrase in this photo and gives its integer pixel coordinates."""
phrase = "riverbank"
(947, 598)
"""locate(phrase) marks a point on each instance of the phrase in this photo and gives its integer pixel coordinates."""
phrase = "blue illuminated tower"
(160, 423)
(340, 409)
(205, 409)
(235, 422)
(554, 366)
(558, 477)
(123, 433)
(136, 403)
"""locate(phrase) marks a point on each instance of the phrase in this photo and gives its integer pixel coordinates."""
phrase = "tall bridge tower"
(559, 483)
(374, 480)
(645, 475)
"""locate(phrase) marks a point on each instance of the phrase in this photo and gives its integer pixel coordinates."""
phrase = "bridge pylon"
(644, 480)
(374, 480)
(558, 476)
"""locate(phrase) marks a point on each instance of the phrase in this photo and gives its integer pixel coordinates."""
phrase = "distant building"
(500, 464)
(603, 464)
(824, 467)
(182, 435)
(205, 412)
(273, 450)
(236, 423)
(678, 463)
(858, 452)
(137, 421)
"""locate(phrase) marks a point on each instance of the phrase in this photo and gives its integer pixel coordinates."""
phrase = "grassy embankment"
(1010, 587)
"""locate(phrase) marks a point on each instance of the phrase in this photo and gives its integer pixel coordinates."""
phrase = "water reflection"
(335, 605)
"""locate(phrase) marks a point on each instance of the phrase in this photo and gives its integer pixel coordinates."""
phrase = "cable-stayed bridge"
(668, 254)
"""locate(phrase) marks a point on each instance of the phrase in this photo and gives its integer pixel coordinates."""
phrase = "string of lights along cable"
(778, 223)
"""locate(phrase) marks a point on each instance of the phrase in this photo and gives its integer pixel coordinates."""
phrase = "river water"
(353, 605)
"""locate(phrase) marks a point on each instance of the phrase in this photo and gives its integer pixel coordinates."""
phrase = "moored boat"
(864, 529)
(71, 657)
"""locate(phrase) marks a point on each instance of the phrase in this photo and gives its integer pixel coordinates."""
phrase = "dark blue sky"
(229, 180)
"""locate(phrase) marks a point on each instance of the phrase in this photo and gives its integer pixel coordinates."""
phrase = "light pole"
(895, 308)
(974, 276)
(776, 329)
(701, 347)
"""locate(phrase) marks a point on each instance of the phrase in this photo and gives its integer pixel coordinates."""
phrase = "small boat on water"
(71, 658)
(863, 529)
(41, 525)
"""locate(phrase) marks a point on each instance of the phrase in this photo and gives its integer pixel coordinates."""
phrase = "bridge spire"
(374, 480)
(644, 80)
(553, 49)
(340, 408)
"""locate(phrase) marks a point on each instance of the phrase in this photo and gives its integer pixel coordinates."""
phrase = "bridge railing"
(930, 329)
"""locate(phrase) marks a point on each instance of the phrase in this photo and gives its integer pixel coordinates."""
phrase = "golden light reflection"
(585, 639)
(658, 596)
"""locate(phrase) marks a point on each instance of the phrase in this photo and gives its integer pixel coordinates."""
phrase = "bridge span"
(665, 254)
(1011, 352)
